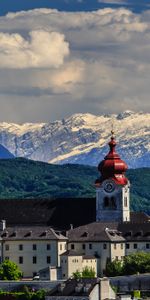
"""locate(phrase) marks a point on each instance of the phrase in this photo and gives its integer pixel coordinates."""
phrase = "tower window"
(113, 203)
(106, 202)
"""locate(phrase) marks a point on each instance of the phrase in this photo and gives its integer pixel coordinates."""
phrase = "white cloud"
(84, 61)
(42, 49)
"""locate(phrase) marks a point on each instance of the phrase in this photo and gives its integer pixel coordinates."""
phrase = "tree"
(137, 263)
(114, 268)
(86, 273)
(132, 264)
(77, 275)
(9, 271)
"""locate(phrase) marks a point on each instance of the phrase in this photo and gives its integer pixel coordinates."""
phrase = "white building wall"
(41, 253)
(98, 249)
(117, 251)
(141, 246)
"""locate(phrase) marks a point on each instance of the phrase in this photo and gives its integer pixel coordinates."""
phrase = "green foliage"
(77, 275)
(9, 271)
(136, 294)
(26, 295)
(86, 273)
(132, 264)
(114, 268)
(23, 178)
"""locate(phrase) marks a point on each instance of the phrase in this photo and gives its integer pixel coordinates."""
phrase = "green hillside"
(22, 178)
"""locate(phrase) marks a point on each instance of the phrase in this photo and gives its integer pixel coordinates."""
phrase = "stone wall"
(36, 285)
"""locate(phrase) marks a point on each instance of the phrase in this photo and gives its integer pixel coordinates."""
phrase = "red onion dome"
(112, 166)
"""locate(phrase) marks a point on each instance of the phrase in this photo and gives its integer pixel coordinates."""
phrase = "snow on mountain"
(81, 138)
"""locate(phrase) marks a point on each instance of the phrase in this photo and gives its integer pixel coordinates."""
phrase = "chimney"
(2, 225)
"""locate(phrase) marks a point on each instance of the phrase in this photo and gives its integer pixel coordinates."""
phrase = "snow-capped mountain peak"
(81, 138)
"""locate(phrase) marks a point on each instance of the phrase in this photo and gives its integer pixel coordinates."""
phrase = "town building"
(83, 289)
(32, 248)
(116, 232)
(88, 232)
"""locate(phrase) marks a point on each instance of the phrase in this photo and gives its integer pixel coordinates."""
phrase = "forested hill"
(22, 178)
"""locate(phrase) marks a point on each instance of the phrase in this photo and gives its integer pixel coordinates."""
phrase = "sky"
(60, 57)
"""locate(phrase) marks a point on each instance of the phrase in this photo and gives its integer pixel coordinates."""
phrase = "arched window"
(106, 202)
(113, 203)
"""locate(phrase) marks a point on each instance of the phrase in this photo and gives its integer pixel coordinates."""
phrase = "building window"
(116, 257)
(20, 259)
(147, 246)
(72, 246)
(135, 246)
(127, 246)
(48, 259)
(34, 260)
(60, 247)
(6, 257)
(115, 246)
(48, 247)
(34, 247)
(20, 247)
(90, 246)
(7, 247)
(83, 246)
(104, 246)
(106, 202)
(121, 246)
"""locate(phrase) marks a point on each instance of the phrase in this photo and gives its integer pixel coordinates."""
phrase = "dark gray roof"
(136, 230)
(71, 253)
(95, 232)
(31, 233)
(58, 213)
(74, 287)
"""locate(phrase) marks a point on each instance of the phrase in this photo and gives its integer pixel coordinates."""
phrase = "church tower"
(112, 188)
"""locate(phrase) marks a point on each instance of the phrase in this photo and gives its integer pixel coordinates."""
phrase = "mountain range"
(81, 139)
(21, 178)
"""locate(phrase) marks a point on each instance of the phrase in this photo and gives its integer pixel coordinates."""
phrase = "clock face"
(109, 186)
